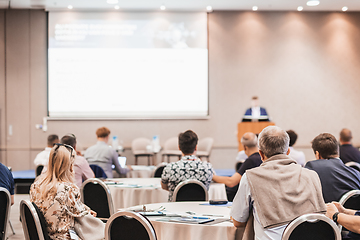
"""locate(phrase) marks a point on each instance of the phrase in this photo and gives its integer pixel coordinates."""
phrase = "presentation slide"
(127, 65)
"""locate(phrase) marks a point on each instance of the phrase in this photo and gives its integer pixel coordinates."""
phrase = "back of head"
(326, 144)
(345, 135)
(52, 139)
(273, 140)
(249, 140)
(293, 137)
(187, 142)
(69, 139)
(59, 169)
(102, 132)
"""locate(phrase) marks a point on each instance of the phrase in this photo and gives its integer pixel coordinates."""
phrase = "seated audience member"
(81, 166)
(278, 191)
(298, 156)
(55, 194)
(188, 167)
(350, 219)
(336, 178)
(241, 156)
(348, 153)
(43, 157)
(103, 155)
(7, 181)
(249, 141)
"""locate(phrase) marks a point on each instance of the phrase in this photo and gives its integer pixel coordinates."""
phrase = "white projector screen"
(127, 65)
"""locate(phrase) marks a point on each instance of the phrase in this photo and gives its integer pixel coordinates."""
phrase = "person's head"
(345, 136)
(325, 146)
(254, 101)
(60, 169)
(293, 137)
(187, 142)
(69, 139)
(272, 141)
(103, 133)
(52, 139)
(249, 141)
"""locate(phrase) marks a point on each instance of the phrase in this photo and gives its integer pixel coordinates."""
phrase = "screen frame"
(129, 118)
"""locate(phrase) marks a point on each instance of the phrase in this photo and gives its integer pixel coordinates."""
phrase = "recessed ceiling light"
(312, 3)
(162, 7)
(117, 7)
(254, 8)
(300, 8)
(112, 1)
(344, 9)
(209, 8)
(70, 7)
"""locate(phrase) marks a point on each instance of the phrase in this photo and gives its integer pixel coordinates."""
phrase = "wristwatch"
(335, 217)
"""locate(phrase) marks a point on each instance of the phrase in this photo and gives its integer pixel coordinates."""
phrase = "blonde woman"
(56, 195)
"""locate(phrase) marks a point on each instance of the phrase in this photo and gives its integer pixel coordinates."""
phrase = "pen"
(200, 218)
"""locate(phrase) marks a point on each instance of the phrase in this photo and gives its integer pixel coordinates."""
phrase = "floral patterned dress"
(60, 210)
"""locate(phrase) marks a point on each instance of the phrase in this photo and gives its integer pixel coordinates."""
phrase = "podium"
(255, 127)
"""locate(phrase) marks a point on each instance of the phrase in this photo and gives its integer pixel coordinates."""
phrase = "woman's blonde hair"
(59, 170)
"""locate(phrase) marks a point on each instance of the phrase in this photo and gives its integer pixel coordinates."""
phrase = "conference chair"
(158, 170)
(97, 196)
(190, 190)
(171, 149)
(204, 148)
(98, 171)
(139, 147)
(354, 165)
(350, 200)
(39, 169)
(33, 221)
(311, 226)
(128, 226)
(5, 204)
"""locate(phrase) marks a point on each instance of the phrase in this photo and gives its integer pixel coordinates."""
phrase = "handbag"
(89, 227)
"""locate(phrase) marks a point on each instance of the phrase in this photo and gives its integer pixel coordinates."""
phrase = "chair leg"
(148, 160)
(168, 158)
(12, 229)
(136, 160)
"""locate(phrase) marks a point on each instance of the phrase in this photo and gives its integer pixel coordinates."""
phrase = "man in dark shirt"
(347, 152)
(336, 178)
(249, 141)
(7, 181)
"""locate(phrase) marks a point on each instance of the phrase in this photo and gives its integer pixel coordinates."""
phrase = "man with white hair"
(278, 191)
(249, 142)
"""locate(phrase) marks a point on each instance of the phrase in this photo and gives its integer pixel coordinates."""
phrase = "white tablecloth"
(185, 231)
(141, 171)
(136, 191)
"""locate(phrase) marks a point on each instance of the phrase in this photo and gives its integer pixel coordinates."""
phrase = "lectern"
(255, 127)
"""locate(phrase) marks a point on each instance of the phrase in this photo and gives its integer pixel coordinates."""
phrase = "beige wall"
(303, 66)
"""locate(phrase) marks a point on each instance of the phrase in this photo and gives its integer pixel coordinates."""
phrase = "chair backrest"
(205, 144)
(354, 165)
(5, 203)
(158, 170)
(190, 190)
(33, 222)
(140, 144)
(351, 200)
(312, 226)
(128, 226)
(171, 144)
(39, 169)
(96, 195)
(98, 171)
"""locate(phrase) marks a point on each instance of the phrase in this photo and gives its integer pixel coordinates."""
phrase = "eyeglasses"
(68, 147)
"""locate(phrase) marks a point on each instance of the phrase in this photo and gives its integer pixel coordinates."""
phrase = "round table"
(129, 192)
(141, 171)
(165, 230)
